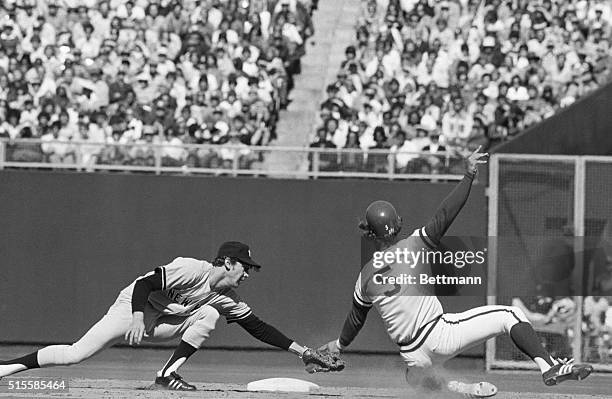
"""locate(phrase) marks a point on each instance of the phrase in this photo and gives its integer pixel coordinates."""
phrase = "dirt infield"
(126, 373)
(85, 388)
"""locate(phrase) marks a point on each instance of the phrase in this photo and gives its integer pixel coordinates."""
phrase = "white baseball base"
(281, 384)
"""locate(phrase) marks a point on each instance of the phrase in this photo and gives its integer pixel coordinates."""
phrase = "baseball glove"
(318, 362)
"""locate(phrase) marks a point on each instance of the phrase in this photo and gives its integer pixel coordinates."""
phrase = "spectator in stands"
(378, 162)
(11, 127)
(352, 162)
(457, 124)
(25, 151)
(433, 157)
(234, 150)
(143, 152)
(326, 161)
(90, 149)
(121, 57)
(404, 153)
(55, 148)
(597, 329)
(511, 64)
(173, 154)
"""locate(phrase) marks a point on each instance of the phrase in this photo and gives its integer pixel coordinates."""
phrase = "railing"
(225, 159)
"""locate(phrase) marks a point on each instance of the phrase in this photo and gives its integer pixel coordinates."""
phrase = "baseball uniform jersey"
(186, 288)
(406, 309)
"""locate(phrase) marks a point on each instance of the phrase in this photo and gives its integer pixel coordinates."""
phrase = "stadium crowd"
(134, 72)
(430, 75)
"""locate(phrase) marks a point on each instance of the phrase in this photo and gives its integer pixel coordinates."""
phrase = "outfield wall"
(69, 242)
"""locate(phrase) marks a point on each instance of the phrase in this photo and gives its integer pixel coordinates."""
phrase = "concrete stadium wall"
(70, 242)
(582, 129)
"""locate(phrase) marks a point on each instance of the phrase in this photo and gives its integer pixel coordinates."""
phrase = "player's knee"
(73, 355)
(211, 316)
(417, 362)
(201, 329)
(517, 314)
(206, 316)
(512, 316)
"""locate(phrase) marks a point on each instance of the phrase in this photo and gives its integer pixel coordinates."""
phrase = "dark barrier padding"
(70, 242)
(582, 129)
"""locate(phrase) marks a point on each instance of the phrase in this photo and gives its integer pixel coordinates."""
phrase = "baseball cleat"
(566, 370)
(173, 382)
(476, 390)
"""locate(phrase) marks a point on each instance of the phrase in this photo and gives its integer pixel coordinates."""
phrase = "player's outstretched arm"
(454, 202)
(265, 332)
(313, 360)
(352, 325)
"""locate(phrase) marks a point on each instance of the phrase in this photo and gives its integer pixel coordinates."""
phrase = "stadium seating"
(135, 72)
(453, 75)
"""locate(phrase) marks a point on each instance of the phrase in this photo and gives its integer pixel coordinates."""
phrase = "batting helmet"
(381, 220)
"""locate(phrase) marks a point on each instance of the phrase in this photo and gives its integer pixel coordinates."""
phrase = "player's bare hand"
(330, 347)
(136, 330)
(476, 158)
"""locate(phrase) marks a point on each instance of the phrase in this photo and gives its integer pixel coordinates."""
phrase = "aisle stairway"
(334, 24)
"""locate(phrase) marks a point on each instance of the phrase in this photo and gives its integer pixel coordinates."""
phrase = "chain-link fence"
(550, 253)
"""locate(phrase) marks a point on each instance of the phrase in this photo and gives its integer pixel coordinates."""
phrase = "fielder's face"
(237, 273)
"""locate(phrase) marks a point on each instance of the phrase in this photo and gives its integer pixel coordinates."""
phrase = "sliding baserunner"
(412, 313)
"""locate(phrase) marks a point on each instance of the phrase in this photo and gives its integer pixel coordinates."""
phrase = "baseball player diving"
(184, 298)
(425, 335)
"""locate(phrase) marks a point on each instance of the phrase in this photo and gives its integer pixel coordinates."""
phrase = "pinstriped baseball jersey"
(186, 288)
(404, 308)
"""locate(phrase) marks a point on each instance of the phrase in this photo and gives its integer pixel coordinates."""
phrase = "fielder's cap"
(238, 250)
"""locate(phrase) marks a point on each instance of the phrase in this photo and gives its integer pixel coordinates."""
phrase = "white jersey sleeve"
(181, 273)
(231, 306)
(359, 295)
